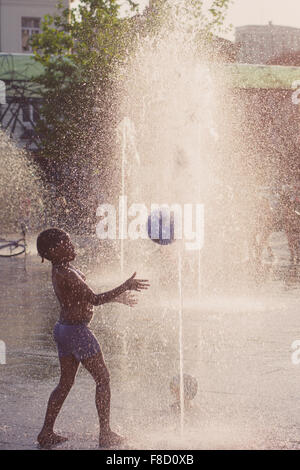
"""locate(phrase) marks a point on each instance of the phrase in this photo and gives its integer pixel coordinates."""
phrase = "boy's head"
(55, 245)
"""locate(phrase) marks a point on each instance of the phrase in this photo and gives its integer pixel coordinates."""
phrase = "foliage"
(207, 18)
(78, 50)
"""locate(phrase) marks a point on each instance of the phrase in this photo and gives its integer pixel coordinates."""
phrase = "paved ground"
(237, 346)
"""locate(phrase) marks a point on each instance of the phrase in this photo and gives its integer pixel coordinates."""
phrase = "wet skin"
(77, 300)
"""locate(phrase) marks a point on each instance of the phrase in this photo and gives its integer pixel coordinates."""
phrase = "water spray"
(127, 137)
(161, 230)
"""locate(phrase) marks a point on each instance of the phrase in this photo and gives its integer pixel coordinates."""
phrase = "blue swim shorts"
(76, 340)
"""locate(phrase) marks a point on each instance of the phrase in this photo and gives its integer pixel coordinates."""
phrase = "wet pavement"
(238, 347)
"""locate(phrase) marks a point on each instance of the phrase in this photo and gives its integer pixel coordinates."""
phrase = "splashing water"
(22, 196)
(169, 109)
(174, 100)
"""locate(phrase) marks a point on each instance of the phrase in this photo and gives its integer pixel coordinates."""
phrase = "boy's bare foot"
(111, 439)
(49, 439)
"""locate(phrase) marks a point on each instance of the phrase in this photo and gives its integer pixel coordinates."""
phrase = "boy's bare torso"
(69, 286)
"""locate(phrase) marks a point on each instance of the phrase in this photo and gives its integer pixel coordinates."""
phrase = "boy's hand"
(137, 284)
(126, 298)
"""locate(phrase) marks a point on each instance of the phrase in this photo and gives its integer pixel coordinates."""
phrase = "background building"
(20, 19)
(19, 105)
(259, 44)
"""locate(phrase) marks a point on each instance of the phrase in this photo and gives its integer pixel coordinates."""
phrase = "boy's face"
(65, 250)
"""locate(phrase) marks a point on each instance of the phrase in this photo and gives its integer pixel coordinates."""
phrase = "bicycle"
(8, 247)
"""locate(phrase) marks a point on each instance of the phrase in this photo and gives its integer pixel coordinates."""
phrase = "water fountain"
(176, 112)
(171, 118)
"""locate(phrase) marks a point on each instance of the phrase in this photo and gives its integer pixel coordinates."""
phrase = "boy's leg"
(97, 368)
(69, 366)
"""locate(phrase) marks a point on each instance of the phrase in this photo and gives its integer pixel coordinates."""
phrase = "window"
(30, 26)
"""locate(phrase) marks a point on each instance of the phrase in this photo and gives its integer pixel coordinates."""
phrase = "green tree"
(79, 50)
(210, 17)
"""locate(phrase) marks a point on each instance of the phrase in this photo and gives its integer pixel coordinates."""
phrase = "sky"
(244, 12)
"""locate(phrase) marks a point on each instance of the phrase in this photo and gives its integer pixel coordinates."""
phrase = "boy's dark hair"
(48, 239)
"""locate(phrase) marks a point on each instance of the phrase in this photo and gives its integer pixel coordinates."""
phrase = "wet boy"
(75, 342)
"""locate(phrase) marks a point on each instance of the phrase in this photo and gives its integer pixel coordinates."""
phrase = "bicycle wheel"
(12, 248)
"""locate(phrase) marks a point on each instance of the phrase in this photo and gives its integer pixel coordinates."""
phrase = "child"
(74, 339)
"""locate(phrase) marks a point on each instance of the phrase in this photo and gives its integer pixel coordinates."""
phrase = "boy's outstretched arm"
(81, 291)
(130, 284)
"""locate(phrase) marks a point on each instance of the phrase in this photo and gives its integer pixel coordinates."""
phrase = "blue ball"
(161, 226)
